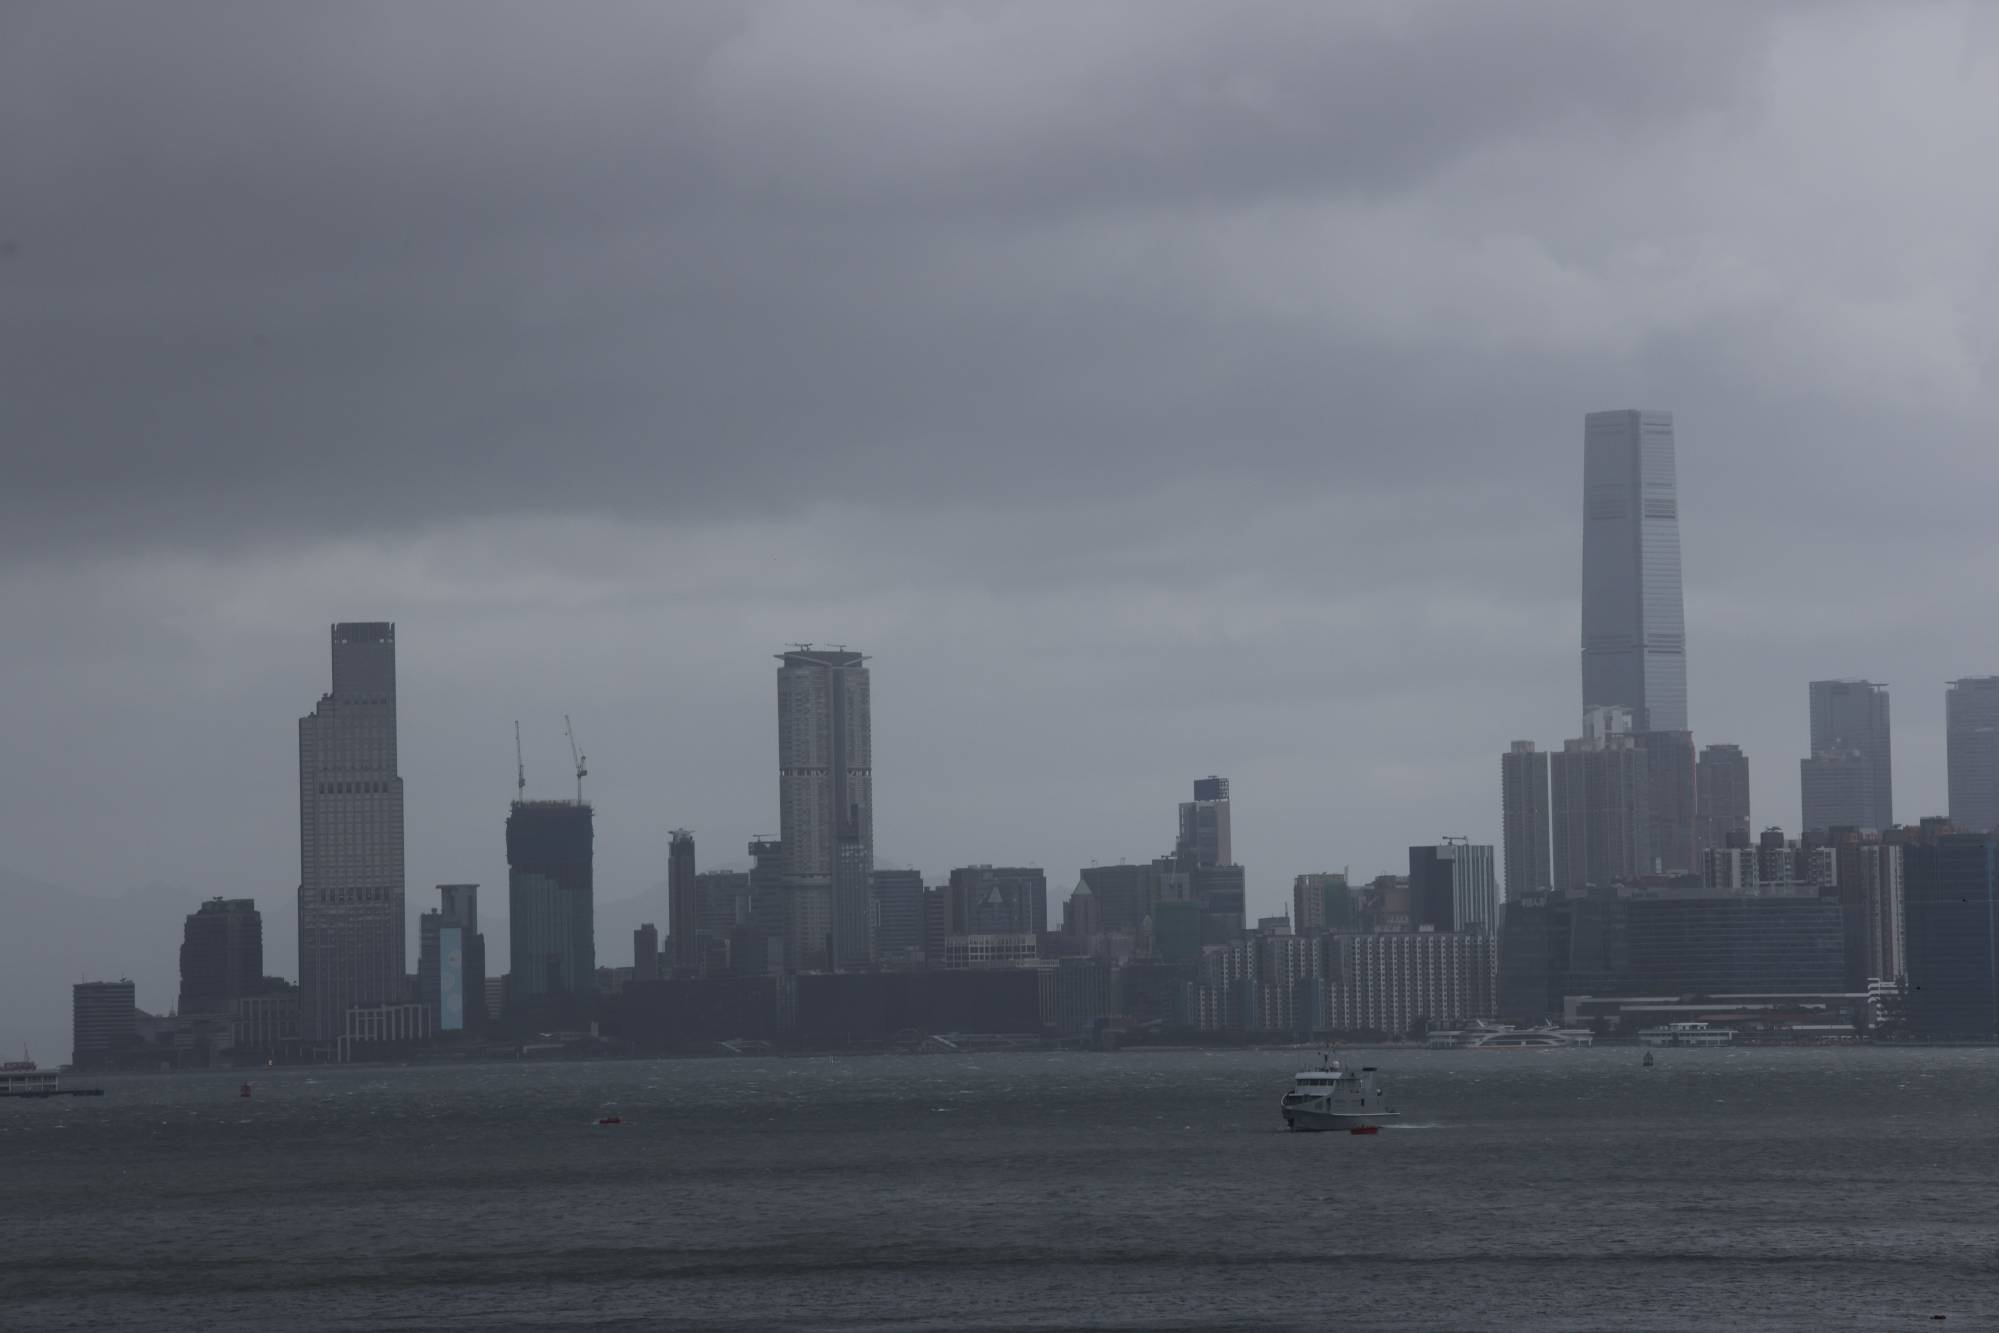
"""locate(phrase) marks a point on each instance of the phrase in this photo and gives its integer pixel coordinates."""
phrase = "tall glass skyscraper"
(350, 803)
(1848, 780)
(1634, 624)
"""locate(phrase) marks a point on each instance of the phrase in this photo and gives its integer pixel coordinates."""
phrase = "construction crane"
(520, 768)
(575, 757)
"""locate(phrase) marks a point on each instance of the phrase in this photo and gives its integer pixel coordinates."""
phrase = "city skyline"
(1337, 564)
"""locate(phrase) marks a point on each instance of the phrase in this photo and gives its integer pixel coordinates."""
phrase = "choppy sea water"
(1741, 1189)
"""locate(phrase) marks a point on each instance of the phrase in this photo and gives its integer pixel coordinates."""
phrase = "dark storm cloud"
(704, 259)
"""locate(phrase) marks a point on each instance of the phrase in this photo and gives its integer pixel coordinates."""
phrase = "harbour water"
(1740, 1189)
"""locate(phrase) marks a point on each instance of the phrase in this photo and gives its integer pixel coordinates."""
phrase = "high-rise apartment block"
(1452, 888)
(350, 899)
(221, 955)
(551, 900)
(1323, 902)
(825, 758)
(1600, 803)
(1523, 800)
(1971, 742)
(1634, 649)
(1848, 780)
(1204, 825)
(1722, 799)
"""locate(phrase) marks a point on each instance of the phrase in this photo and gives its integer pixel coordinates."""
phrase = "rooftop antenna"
(575, 757)
(520, 768)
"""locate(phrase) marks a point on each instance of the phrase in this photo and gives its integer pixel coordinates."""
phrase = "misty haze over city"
(1158, 390)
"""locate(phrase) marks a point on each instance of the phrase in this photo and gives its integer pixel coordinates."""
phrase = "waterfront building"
(1951, 933)
(1393, 982)
(351, 919)
(898, 913)
(1634, 637)
(221, 955)
(104, 1022)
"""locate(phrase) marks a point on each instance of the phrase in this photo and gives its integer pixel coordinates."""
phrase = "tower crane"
(576, 757)
(520, 768)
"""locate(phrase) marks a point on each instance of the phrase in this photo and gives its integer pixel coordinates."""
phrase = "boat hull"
(1306, 1120)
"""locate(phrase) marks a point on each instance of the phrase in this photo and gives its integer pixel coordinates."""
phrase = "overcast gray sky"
(1155, 389)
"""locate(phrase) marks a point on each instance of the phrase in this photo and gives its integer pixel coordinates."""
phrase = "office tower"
(1600, 808)
(853, 940)
(1672, 798)
(1634, 626)
(1971, 742)
(551, 900)
(1523, 802)
(1204, 825)
(998, 900)
(451, 960)
(221, 955)
(1125, 893)
(898, 913)
(1452, 887)
(824, 756)
(767, 887)
(103, 1021)
(1323, 902)
(1722, 797)
(683, 904)
(1866, 878)
(645, 953)
(1080, 917)
(1221, 890)
(350, 896)
(1950, 896)
(1848, 781)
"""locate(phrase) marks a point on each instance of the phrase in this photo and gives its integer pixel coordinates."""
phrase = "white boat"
(1334, 1097)
(1686, 1034)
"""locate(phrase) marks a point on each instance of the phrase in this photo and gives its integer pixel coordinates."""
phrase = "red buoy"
(1365, 1129)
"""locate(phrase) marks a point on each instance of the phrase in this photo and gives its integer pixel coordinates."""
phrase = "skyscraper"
(103, 1022)
(1204, 825)
(1600, 808)
(221, 955)
(645, 952)
(451, 959)
(1971, 742)
(683, 904)
(1452, 887)
(1634, 625)
(1722, 802)
(350, 895)
(1523, 800)
(1951, 933)
(824, 757)
(551, 901)
(1848, 780)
